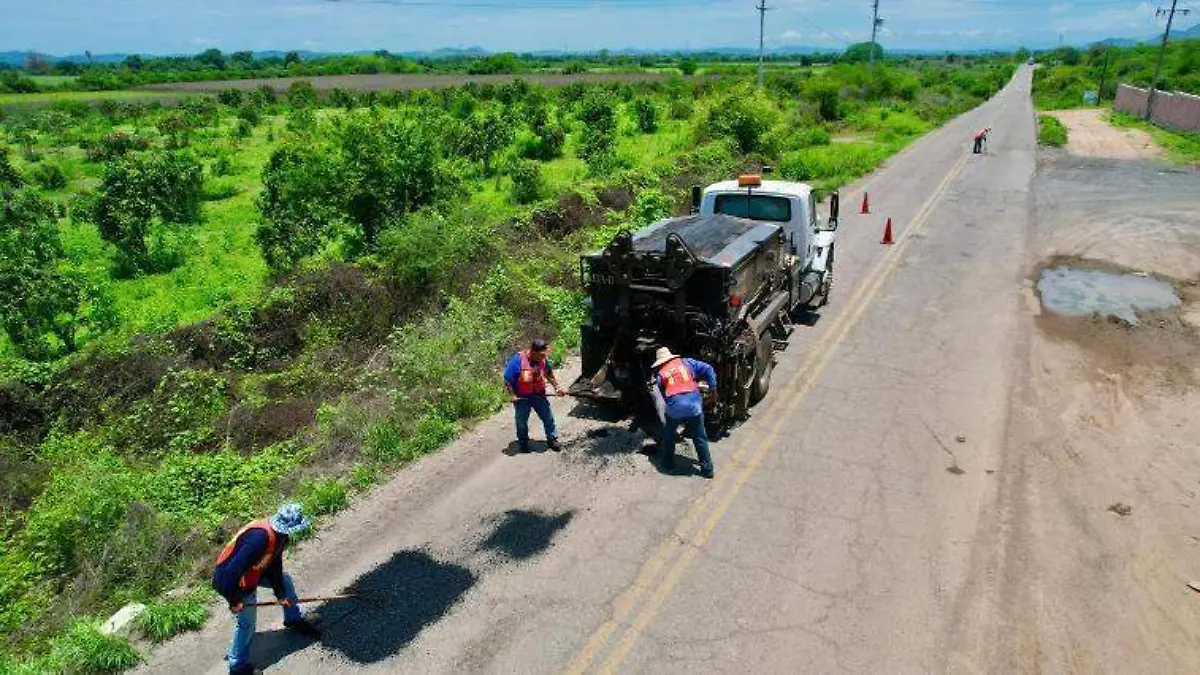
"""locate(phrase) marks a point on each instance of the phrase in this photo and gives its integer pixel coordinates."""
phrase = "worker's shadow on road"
(394, 602)
(273, 646)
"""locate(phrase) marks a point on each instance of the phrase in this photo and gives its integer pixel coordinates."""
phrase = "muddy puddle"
(1074, 291)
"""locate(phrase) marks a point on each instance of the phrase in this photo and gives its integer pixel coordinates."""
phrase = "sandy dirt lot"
(1090, 135)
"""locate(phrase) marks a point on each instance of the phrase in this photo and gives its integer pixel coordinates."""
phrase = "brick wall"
(1173, 110)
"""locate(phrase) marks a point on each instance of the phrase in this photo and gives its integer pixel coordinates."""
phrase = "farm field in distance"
(294, 287)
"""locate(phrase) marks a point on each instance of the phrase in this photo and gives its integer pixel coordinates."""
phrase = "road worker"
(981, 139)
(681, 381)
(253, 558)
(525, 378)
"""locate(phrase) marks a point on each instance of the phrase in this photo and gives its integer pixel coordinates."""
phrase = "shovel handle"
(320, 598)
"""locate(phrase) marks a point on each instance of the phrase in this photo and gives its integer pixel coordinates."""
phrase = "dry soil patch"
(1090, 135)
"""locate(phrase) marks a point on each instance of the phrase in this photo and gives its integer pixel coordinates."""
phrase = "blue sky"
(175, 26)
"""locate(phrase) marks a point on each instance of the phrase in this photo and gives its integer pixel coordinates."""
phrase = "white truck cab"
(793, 207)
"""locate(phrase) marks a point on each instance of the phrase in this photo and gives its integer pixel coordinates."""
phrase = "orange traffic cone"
(887, 233)
(866, 205)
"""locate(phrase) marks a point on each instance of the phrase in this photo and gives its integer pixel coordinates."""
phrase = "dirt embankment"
(1090, 135)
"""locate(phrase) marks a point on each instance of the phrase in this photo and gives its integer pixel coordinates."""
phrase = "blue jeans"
(695, 427)
(245, 620)
(540, 405)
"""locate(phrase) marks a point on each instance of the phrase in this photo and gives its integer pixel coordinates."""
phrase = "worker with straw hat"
(253, 558)
(681, 382)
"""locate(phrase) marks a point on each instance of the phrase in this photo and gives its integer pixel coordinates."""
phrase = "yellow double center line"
(677, 553)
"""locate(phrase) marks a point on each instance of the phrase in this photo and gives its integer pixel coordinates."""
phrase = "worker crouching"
(253, 558)
(678, 380)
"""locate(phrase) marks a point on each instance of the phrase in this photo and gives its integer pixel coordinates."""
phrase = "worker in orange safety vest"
(253, 558)
(678, 380)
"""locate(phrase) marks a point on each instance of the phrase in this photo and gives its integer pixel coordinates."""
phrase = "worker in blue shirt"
(253, 558)
(678, 379)
(525, 378)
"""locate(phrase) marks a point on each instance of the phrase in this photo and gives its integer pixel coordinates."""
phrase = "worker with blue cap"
(253, 558)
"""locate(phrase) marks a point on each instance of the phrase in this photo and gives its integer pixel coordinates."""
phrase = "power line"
(1162, 52)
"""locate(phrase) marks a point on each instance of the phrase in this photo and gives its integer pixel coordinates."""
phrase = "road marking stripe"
(815, 362)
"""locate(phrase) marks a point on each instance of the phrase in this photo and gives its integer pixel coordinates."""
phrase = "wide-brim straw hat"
(662, 356)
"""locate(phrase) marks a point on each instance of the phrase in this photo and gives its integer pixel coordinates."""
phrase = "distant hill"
(1192, 33)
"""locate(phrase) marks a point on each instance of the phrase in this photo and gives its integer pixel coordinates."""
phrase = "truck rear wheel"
(762, 383)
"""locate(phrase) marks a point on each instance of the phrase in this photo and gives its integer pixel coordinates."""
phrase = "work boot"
(523, 446)
(303, 627)
(706, 473)
(554, 445)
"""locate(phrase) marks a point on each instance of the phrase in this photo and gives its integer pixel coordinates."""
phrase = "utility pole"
(1162, 52)
(876, 22)
(762, 26)
(1103, 76)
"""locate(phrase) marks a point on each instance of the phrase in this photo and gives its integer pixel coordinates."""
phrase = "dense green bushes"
(1051, 131)
(1066, 73)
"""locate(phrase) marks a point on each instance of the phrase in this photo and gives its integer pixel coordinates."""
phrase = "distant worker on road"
(981, 139)
(525, 378)
(679, 381)
(253, 558)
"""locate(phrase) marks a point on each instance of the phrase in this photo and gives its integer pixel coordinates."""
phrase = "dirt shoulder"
(1090, 135)
(1099, 481)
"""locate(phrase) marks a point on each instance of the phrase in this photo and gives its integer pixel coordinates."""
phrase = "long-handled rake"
(319, 598)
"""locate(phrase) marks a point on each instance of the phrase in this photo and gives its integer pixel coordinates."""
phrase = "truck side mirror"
(835, 201)
(696, 195)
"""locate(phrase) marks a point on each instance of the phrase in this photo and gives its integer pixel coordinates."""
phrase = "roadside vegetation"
(210, 306)
(1066, 73)
(1051, 131)
(1181, 147)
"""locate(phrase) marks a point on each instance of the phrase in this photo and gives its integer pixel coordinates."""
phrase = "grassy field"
(1182, 148)
(197, 395)
(44, 98)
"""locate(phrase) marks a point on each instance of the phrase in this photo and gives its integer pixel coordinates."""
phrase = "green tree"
(142, 200)
(372, 171)
(646, 112)
(527, 181)
(9, 177)
(485, 135)
(599, 118)
(389, 168)
(301, 94)
(213, 58)
(744, 116)
(688, 66)
(298, 205)
(38, 303)
(861, 52)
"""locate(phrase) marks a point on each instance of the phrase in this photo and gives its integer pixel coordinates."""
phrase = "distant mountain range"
(18, 58)
(1192, 33)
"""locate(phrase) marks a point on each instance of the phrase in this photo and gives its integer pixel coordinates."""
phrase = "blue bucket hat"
(290, 519)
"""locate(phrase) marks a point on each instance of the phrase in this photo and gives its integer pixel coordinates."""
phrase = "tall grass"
(1051, 131)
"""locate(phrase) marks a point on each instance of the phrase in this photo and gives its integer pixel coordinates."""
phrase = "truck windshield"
(755, 207)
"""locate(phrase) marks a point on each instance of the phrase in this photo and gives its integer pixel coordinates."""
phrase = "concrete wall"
(1173, 110)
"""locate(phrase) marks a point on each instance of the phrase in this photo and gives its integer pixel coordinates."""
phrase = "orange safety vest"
(249, 580)
(677, 378)
(531, 381)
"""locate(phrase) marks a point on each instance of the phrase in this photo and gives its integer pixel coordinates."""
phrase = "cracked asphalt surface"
(874, 515)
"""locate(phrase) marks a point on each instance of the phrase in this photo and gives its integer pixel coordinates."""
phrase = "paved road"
(844, 530)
